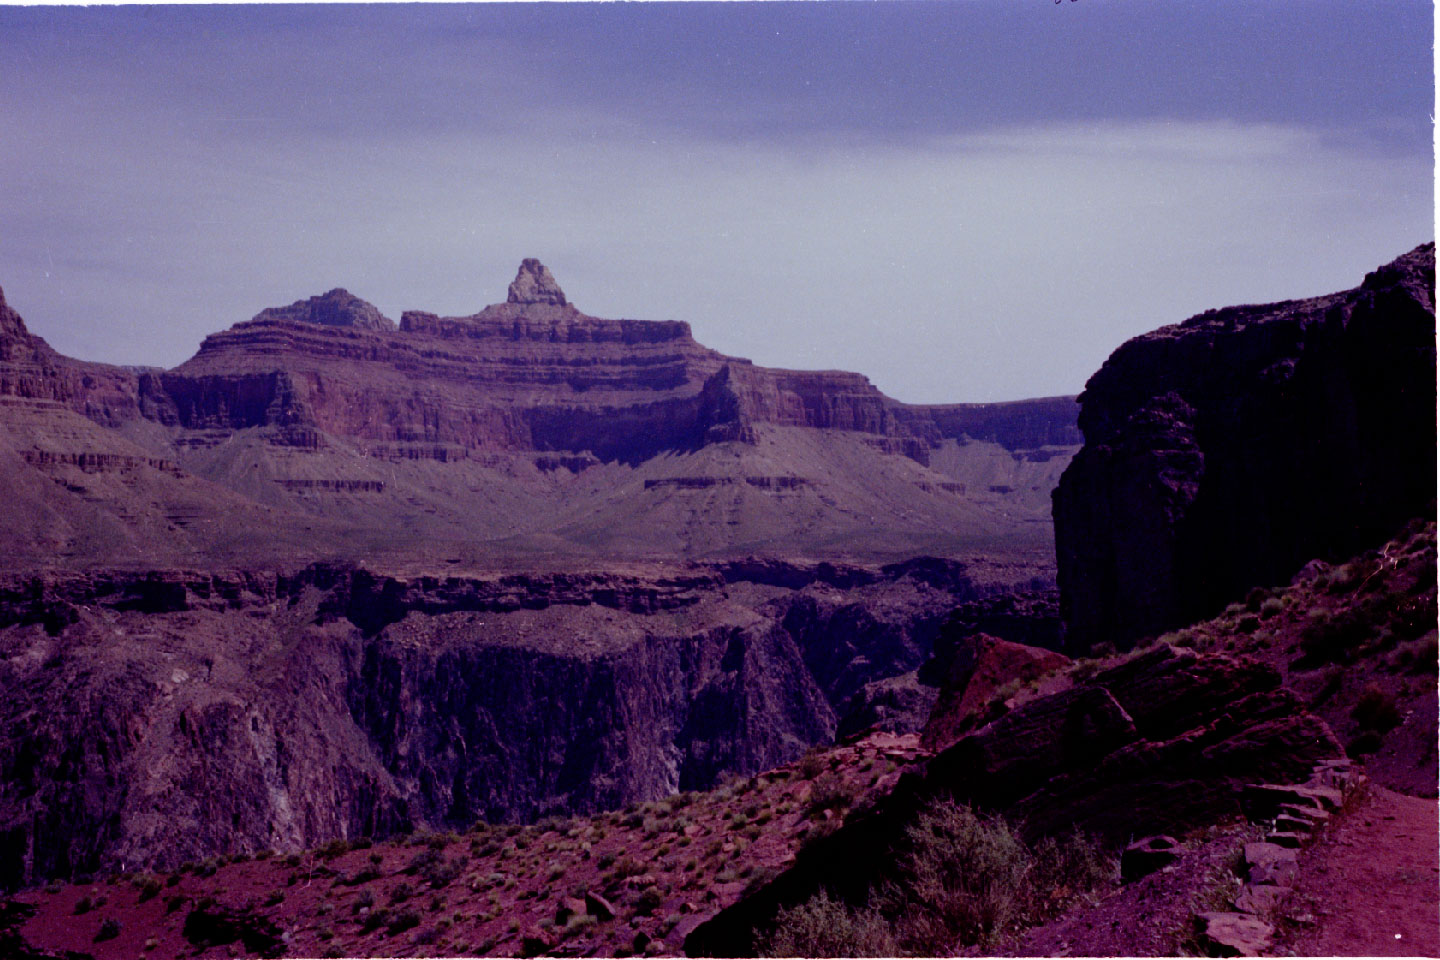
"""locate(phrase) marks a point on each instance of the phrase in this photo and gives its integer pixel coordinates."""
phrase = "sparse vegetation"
(962, 879)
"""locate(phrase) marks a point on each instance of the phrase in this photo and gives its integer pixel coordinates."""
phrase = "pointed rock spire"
(535, 284)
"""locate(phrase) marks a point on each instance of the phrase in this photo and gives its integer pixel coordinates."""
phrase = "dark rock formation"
(155, 718)
(1225, 452)
(894, 705)
(338, 308)
(1161, 743)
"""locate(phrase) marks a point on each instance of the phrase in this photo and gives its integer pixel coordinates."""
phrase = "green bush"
(822, 927)
(109, 930)
(961, 879)
(649, 901)
(811, 764)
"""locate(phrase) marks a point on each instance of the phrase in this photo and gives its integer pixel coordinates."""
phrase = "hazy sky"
(965, 201)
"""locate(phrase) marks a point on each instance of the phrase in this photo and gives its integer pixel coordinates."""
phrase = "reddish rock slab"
(982, 666)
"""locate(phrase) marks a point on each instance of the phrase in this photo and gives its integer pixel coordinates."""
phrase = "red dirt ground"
(1372, 883)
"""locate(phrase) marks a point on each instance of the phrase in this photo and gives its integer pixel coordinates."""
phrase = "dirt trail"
(1372, 883)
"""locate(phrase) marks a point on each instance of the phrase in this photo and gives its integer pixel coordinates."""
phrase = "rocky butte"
(527, 432)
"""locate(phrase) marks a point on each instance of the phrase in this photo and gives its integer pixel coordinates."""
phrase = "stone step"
(1315, 815)
(1281, 838)
(1288, 823)
(1261, 801)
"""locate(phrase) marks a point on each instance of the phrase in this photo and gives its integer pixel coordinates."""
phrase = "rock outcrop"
(1158, 744)
(982, 667)
(535, 284)
(1226, 451)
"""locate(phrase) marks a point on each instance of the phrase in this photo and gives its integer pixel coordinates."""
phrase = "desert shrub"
(628, 867)
(422, 861)
(109, 930)
(443, 873)
(401, 893)
(1271, 607)
(811, 764)
(374, 920)
(366, 899)
(818, 831)
(427, 936)
(964, 878)
(364, 875)
(1376, 710)
(648, 902)
(1248, 623)
(149, 888)
(822, 927)
(334, 849)
(1073, 863)
(829, 793)
(84, 905)
(1256, 598)
(1335, 639)
(174, 903)
(275, 898)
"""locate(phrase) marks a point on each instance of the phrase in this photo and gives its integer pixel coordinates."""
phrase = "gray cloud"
(868, 190)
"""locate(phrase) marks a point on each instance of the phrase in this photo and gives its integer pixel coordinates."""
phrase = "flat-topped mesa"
(534, 283)
(338, 308)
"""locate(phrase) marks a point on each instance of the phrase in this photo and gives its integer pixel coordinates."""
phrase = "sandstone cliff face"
(156, 718)
(33, 374)
(1225, 452)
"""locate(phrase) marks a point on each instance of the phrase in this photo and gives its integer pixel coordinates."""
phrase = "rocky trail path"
(1371, 883)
